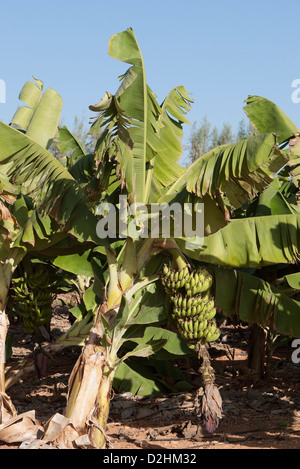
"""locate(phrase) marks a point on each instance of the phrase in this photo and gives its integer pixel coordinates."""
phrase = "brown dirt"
(258, 414)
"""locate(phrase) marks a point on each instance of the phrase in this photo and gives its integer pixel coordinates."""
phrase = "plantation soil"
(257, 414)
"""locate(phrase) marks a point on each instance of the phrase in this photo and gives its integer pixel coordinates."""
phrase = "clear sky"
(221, 51)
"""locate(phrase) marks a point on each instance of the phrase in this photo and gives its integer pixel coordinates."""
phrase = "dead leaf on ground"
(21, 428)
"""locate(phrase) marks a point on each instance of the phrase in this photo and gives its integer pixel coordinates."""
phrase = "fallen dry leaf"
(21, 428)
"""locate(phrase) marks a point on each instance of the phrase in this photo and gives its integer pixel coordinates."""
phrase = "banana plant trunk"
(257, 350)
(90, 386)
(91, 380)
(89, 390)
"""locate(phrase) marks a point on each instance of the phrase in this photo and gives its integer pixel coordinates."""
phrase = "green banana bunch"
(193, 305)
(31, 299)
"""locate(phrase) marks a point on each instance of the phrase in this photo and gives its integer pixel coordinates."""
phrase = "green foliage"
(250, 205)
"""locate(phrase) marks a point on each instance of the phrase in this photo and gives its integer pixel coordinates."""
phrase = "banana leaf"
(251, 242)
(238, 170)
(78, 264)
(272, 201)
(253, 300)
(40, 117)
(69, 145)
(145, 137)
(268, 117)
(47, 182)
(148, 377)
(133, 377)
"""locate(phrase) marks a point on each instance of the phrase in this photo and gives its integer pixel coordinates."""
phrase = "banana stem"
(145, 253)
(84, 380)
(129, 264)
(114, 289)
(100, 416)
(178, 258)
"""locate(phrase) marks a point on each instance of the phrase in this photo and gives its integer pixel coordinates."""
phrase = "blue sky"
(221, 51)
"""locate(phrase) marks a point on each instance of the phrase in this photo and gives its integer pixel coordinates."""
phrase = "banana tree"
(137, 157)
(41, 203)
(141, 139)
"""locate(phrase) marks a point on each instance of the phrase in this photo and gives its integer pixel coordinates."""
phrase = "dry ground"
(257, 414)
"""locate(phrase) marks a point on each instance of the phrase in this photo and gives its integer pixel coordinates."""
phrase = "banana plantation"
(145, 306)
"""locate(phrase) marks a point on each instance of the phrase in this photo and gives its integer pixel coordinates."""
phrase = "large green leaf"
(40, 117)
(133, 101)
(272, 201)
(145, 138)
(134, 378)
(54, 190)
(268, 117)
(78, 264)
(293, 280)
(165, 142)
(30, 94)
(237, 170)
(146, 377)
(254, 300)
(69, 145)
(175, 346)
(251, 242)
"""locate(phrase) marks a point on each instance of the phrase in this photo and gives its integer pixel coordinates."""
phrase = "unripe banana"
(174, 300)
(210, 314)
(210, 305)
(203, 325)
(206, 296)
(212, 327)
(212, 336)
(182, 283)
